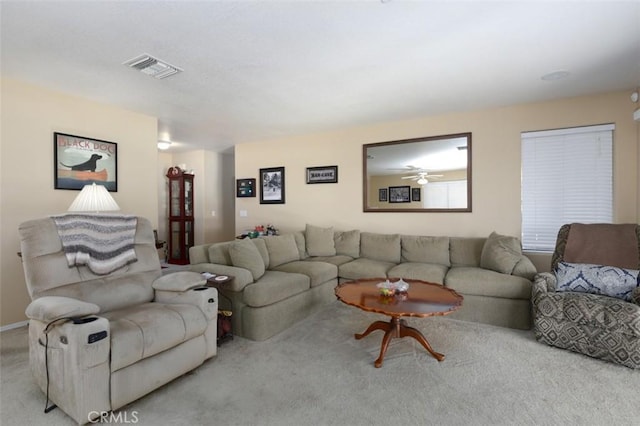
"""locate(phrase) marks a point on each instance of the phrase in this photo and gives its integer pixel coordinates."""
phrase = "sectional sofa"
(282, 279)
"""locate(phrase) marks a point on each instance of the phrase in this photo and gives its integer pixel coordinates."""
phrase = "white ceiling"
(256, 70)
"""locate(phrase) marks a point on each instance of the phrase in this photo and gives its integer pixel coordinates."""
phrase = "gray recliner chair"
(592, 324)
(100, 341)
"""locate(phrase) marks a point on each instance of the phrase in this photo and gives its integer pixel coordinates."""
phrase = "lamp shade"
(94, 198)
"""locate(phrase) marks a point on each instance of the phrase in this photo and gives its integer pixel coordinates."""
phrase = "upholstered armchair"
(103, 334)
(590, 302)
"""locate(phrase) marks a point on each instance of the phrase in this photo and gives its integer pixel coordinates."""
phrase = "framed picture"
(272, 185)
(245, 188)
(79, 161)
(382, 194)
(326, 174)
(415, 194)
(399, 194)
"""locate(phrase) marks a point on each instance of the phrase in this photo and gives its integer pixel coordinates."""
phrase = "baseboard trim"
(14, 325)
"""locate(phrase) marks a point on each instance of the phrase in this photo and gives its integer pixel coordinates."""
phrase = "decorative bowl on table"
(386, 288)
(401, 286)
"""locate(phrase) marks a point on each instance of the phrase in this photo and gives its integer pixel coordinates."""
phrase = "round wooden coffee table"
(423, 299)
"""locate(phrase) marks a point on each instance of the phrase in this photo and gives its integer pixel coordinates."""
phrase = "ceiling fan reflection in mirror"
(422, 178)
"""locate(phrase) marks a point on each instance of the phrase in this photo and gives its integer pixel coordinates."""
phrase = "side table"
(225, 331)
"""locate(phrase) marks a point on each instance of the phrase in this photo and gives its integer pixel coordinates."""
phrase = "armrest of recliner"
(187, 288)
(52, 308)
(545, 282)
(635, 296)
(179, 281)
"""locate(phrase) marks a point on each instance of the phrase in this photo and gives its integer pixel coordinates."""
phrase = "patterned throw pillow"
(597, 279)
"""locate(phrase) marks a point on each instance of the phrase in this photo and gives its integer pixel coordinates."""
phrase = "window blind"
(567, 177)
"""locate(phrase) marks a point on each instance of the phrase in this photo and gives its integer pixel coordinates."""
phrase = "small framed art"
(326, 174)
(399, 194)
(415, 194)
(382, 194)
(245, 188)
(272, 185)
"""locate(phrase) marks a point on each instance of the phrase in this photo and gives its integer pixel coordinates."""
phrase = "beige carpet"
(316, 373)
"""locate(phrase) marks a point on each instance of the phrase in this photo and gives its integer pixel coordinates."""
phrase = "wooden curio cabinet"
(180, 215)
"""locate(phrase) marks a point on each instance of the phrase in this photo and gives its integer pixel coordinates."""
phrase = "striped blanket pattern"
(104, 243)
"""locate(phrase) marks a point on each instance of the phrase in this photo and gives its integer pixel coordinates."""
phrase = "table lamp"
(94, 198)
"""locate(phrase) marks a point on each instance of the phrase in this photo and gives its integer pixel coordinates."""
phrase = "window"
(567, 176)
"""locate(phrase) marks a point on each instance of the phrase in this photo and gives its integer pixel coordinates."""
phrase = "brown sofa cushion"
(603, 244)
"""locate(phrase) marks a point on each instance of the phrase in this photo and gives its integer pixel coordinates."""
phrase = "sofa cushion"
(275, 286)
(425, 249)
(319, 241)
(318, 272)
(597, 279)
(525, 268)
(262, 249)
(431, 272)
(337, 260)
(364, 268)
(500, 253)
(465, 251)
(383, 247)
(282, 249)
(219, 253)
(245, 254)
(483, 282)
(145, 330)
(347, 243)
(301, 243)
(602, 313)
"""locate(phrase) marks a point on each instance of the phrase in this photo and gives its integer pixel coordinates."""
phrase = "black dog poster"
(81, 161)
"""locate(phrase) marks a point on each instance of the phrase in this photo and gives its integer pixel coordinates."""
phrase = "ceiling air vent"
(152, 66)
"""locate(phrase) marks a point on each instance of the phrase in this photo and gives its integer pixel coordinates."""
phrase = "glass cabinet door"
(175, 198)
(180, 206)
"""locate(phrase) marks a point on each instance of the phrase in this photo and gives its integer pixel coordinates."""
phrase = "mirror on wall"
(430, 174)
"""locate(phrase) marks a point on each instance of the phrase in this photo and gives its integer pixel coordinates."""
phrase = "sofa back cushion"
(219, 253)
(347, 243)
(500, 253)
(301, 242)
(383, 247)
(199, 254)
(245, 254)
(465, 251)
(282, 249)
(425, 249)
(320, 241)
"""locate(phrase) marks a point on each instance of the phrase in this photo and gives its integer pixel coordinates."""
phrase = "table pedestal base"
(397, 328)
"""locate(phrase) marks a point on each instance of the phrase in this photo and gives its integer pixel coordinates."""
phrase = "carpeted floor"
(316, 373)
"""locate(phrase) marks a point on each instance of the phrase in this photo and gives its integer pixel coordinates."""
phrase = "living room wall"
(496, 168)
(30, 116)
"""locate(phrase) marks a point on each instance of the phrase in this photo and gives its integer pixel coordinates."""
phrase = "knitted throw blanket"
(103, 243)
